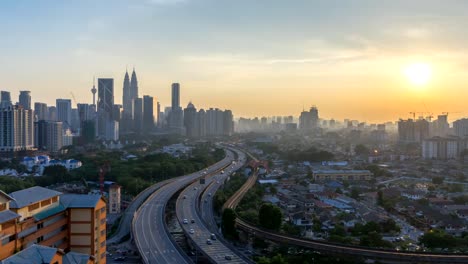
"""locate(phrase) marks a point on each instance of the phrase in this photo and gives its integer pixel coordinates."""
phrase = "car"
(122, 258)
(185, 196)
(185, 221)
(192, 221)
(195, 188)
(213, 237)
(191, 231)
(217, 181)
(206, 200)
(208, 241)
(222, 172)
(209, 194)
(228, 257)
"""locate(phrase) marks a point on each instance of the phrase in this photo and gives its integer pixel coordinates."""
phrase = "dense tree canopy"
(270, 216)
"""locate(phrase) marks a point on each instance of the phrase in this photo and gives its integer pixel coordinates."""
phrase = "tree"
(270, 216)
(228, 223)
(354, 193)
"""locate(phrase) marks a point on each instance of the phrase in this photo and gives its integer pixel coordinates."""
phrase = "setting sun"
(418, 73)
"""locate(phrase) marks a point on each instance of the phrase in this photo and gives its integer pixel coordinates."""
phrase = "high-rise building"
(138, 115)
(460, 127)
(64, 112)
(190, 120)
(439, 127)
(175, 96)
(148, 113)
(228, 123)
(75, 120)
(309, 120)
(25, 99)
(126, 96)
(176, 116)
(134, 85)
(117, 112)
(52, 113)
(442, 147)
(413, 131)
(85, 112)
(40, 111)
(48, 135)
(5, 99)
(158, 113)
(105, 106)
(16, 129)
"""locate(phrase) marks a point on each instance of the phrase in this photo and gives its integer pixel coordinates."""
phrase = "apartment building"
(339, 175)
(40, 216)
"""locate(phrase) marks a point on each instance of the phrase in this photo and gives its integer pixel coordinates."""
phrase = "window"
(40, 225)
(45, 203)
(54, 199)
(33, 207)
(40, 239)
(2, 206)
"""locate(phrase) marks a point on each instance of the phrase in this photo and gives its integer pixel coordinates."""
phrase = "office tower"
(5, 99)
(175, 95)
(64, 112)
(127, 103)
(117, 112)
(176, 117)
(25, 99)
(88, 131)
(52, 113)
(40, 217)
(148, 113)
(105, 107)
(309, 120)
(134, 85)
(48, 135)
(16, 129)
(85, 112)
(158, 121)
(413, 131)
(40, 111)
(190, 119)
(138, 115)
(75, 120)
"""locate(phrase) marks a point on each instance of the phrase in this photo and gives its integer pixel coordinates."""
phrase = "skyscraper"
(138, 115)
(16, 129)
(5, 99)
(48, 135)
(176, 116)
(126, 96)
(309, 120)
(25, 99)
(134, 85)
(64, 112)
(175, 96)
(148, 113)
(40, 111)
(105, 106)
(190, 120)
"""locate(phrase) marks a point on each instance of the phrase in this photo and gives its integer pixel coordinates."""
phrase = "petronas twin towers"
(130, 93)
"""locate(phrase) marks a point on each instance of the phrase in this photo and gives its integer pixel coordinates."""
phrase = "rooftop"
(8, 215)
(34, 254)
(31, 195)
(79, 200)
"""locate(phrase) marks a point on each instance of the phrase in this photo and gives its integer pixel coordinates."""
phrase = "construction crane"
(103, 170)
(429, 115)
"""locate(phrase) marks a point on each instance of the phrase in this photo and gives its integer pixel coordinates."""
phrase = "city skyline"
(301, 51)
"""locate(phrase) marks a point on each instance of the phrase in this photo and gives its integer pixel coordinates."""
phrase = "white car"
(191, 231)
(185, 221)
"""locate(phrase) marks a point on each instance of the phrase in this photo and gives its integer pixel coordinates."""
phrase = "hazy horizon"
(256, 58)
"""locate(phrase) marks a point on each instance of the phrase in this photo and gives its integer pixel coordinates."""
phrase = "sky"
(258, 58)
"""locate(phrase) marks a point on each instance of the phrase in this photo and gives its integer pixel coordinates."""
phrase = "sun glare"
(418, 73)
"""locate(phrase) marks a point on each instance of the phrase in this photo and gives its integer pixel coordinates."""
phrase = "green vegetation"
(133, 175)
(229, 188)
(438, 239)
(270, 216)
(228, 224)
(311, 154)
(438, 180)
(360, 149)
